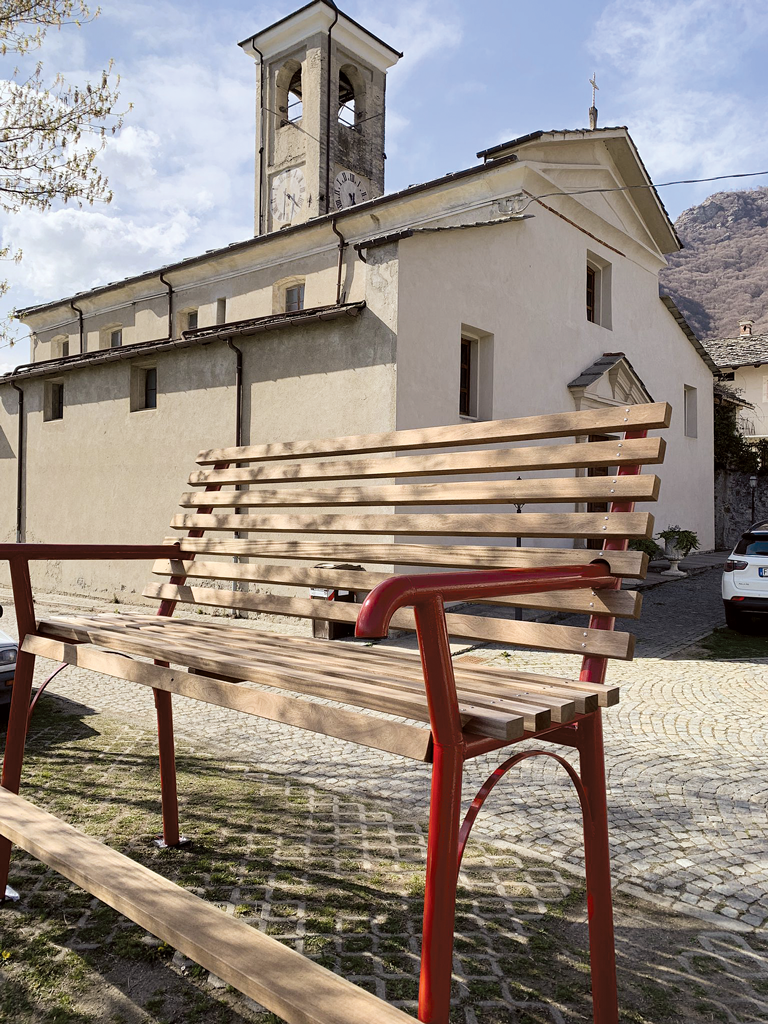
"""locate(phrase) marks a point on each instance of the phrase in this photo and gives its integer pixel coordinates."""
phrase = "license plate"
(763, 571)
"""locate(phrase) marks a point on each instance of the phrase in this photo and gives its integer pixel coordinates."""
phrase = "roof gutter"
(188, 339)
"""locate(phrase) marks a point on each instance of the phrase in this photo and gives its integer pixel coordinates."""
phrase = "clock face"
(288, 191)
(348, 190)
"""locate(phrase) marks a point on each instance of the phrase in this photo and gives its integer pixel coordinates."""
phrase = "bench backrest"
(391, 502)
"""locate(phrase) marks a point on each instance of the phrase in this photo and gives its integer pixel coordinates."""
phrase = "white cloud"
(676, 82)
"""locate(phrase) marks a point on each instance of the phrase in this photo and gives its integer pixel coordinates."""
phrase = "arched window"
(351, 93)
(289, 95)
(346, 101)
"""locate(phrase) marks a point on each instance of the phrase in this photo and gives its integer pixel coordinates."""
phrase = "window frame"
(141, 375)
(690, 411)
(598, 291)
(298, 287)
(53, 401)
(113, 332)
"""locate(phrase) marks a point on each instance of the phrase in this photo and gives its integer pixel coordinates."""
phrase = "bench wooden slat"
(390, 662)
(286, 982)
(576, 489)
(597, 454)
(506, 720)
(548, 637)
(620, 603)
(568, 424)
(628, 564)
(411, 741)
(322, 673)
(529, 524)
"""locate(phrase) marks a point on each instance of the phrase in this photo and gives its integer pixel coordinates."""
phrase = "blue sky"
(688, 78)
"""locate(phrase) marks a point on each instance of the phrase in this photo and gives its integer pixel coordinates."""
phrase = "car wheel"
(734, 617)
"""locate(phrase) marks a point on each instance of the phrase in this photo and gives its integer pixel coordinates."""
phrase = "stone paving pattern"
(688, 786)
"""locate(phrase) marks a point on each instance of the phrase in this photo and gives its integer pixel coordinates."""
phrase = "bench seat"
(496, 703)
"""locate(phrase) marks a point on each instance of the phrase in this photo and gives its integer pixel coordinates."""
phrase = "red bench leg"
(14, 746)
(440, 887)
(22, 690)
(167, 754)
(599, 906)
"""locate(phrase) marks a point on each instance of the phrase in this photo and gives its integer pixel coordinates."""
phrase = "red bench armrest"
(385, 599)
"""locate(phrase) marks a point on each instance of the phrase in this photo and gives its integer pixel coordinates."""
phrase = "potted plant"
(678, 544)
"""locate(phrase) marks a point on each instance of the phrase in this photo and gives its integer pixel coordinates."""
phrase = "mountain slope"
(722, 274)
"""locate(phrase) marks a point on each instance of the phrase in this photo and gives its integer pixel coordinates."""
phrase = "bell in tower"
(320, 115)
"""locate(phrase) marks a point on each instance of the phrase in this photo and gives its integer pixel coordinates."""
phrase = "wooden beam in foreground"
(287, 983)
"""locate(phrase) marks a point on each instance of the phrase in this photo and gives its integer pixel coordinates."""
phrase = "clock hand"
(352, 200)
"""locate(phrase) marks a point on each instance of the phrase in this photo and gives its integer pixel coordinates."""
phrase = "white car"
(745, 577)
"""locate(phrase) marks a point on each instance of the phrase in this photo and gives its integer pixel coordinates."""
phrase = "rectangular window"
(116, 337)
(221, 311)
(150, 388)
(466, 378)
(294, 298)
(143, 388)
(598, 291)
(690, 411)
(192, 320)
(53, 400)
(591, 275)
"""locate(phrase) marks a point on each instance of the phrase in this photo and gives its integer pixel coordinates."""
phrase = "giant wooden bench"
(304, 502)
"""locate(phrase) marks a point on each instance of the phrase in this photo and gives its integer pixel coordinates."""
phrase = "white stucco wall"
(523, 284)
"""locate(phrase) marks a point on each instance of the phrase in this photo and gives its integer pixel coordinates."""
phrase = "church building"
(526, 283)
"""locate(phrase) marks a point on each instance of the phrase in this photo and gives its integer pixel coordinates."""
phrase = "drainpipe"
(19, 463)
(170, 304)
(79, 312)
(260, 211)
(239, 392)
(342, 247)
(236, 613)
(329, 119)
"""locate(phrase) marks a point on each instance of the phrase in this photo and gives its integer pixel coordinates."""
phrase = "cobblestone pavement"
(688, 784)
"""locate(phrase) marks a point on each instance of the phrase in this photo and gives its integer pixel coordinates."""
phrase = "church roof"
(747, 350)
(630, 166)
(332, 7)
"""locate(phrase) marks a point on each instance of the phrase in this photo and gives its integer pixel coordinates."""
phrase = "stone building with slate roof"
(743, 362)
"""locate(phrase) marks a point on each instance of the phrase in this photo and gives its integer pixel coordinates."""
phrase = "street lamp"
(753, 485)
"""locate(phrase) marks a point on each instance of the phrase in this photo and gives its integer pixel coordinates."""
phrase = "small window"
(598, 291)
(150, 387)
(116, 337)
(591, 281)
(346, 101)
(60, 347)
(192, 320)
(221, 311)
(690, 411)
(295, 102)
(466, 377)
(143, 388)
(53, 400)
(294, 298)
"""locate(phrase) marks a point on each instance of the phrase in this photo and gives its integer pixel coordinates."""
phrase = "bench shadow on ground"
(337, 878)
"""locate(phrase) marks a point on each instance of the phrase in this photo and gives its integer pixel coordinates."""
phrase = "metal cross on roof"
(595, 86)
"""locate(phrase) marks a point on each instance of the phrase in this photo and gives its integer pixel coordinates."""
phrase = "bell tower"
(319, 115)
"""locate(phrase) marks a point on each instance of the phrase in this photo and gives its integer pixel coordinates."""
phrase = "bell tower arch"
(320, 111)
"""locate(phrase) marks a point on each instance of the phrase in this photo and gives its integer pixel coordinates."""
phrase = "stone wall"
(733, 505)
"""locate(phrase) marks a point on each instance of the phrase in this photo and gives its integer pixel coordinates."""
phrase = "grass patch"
(728, 645)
